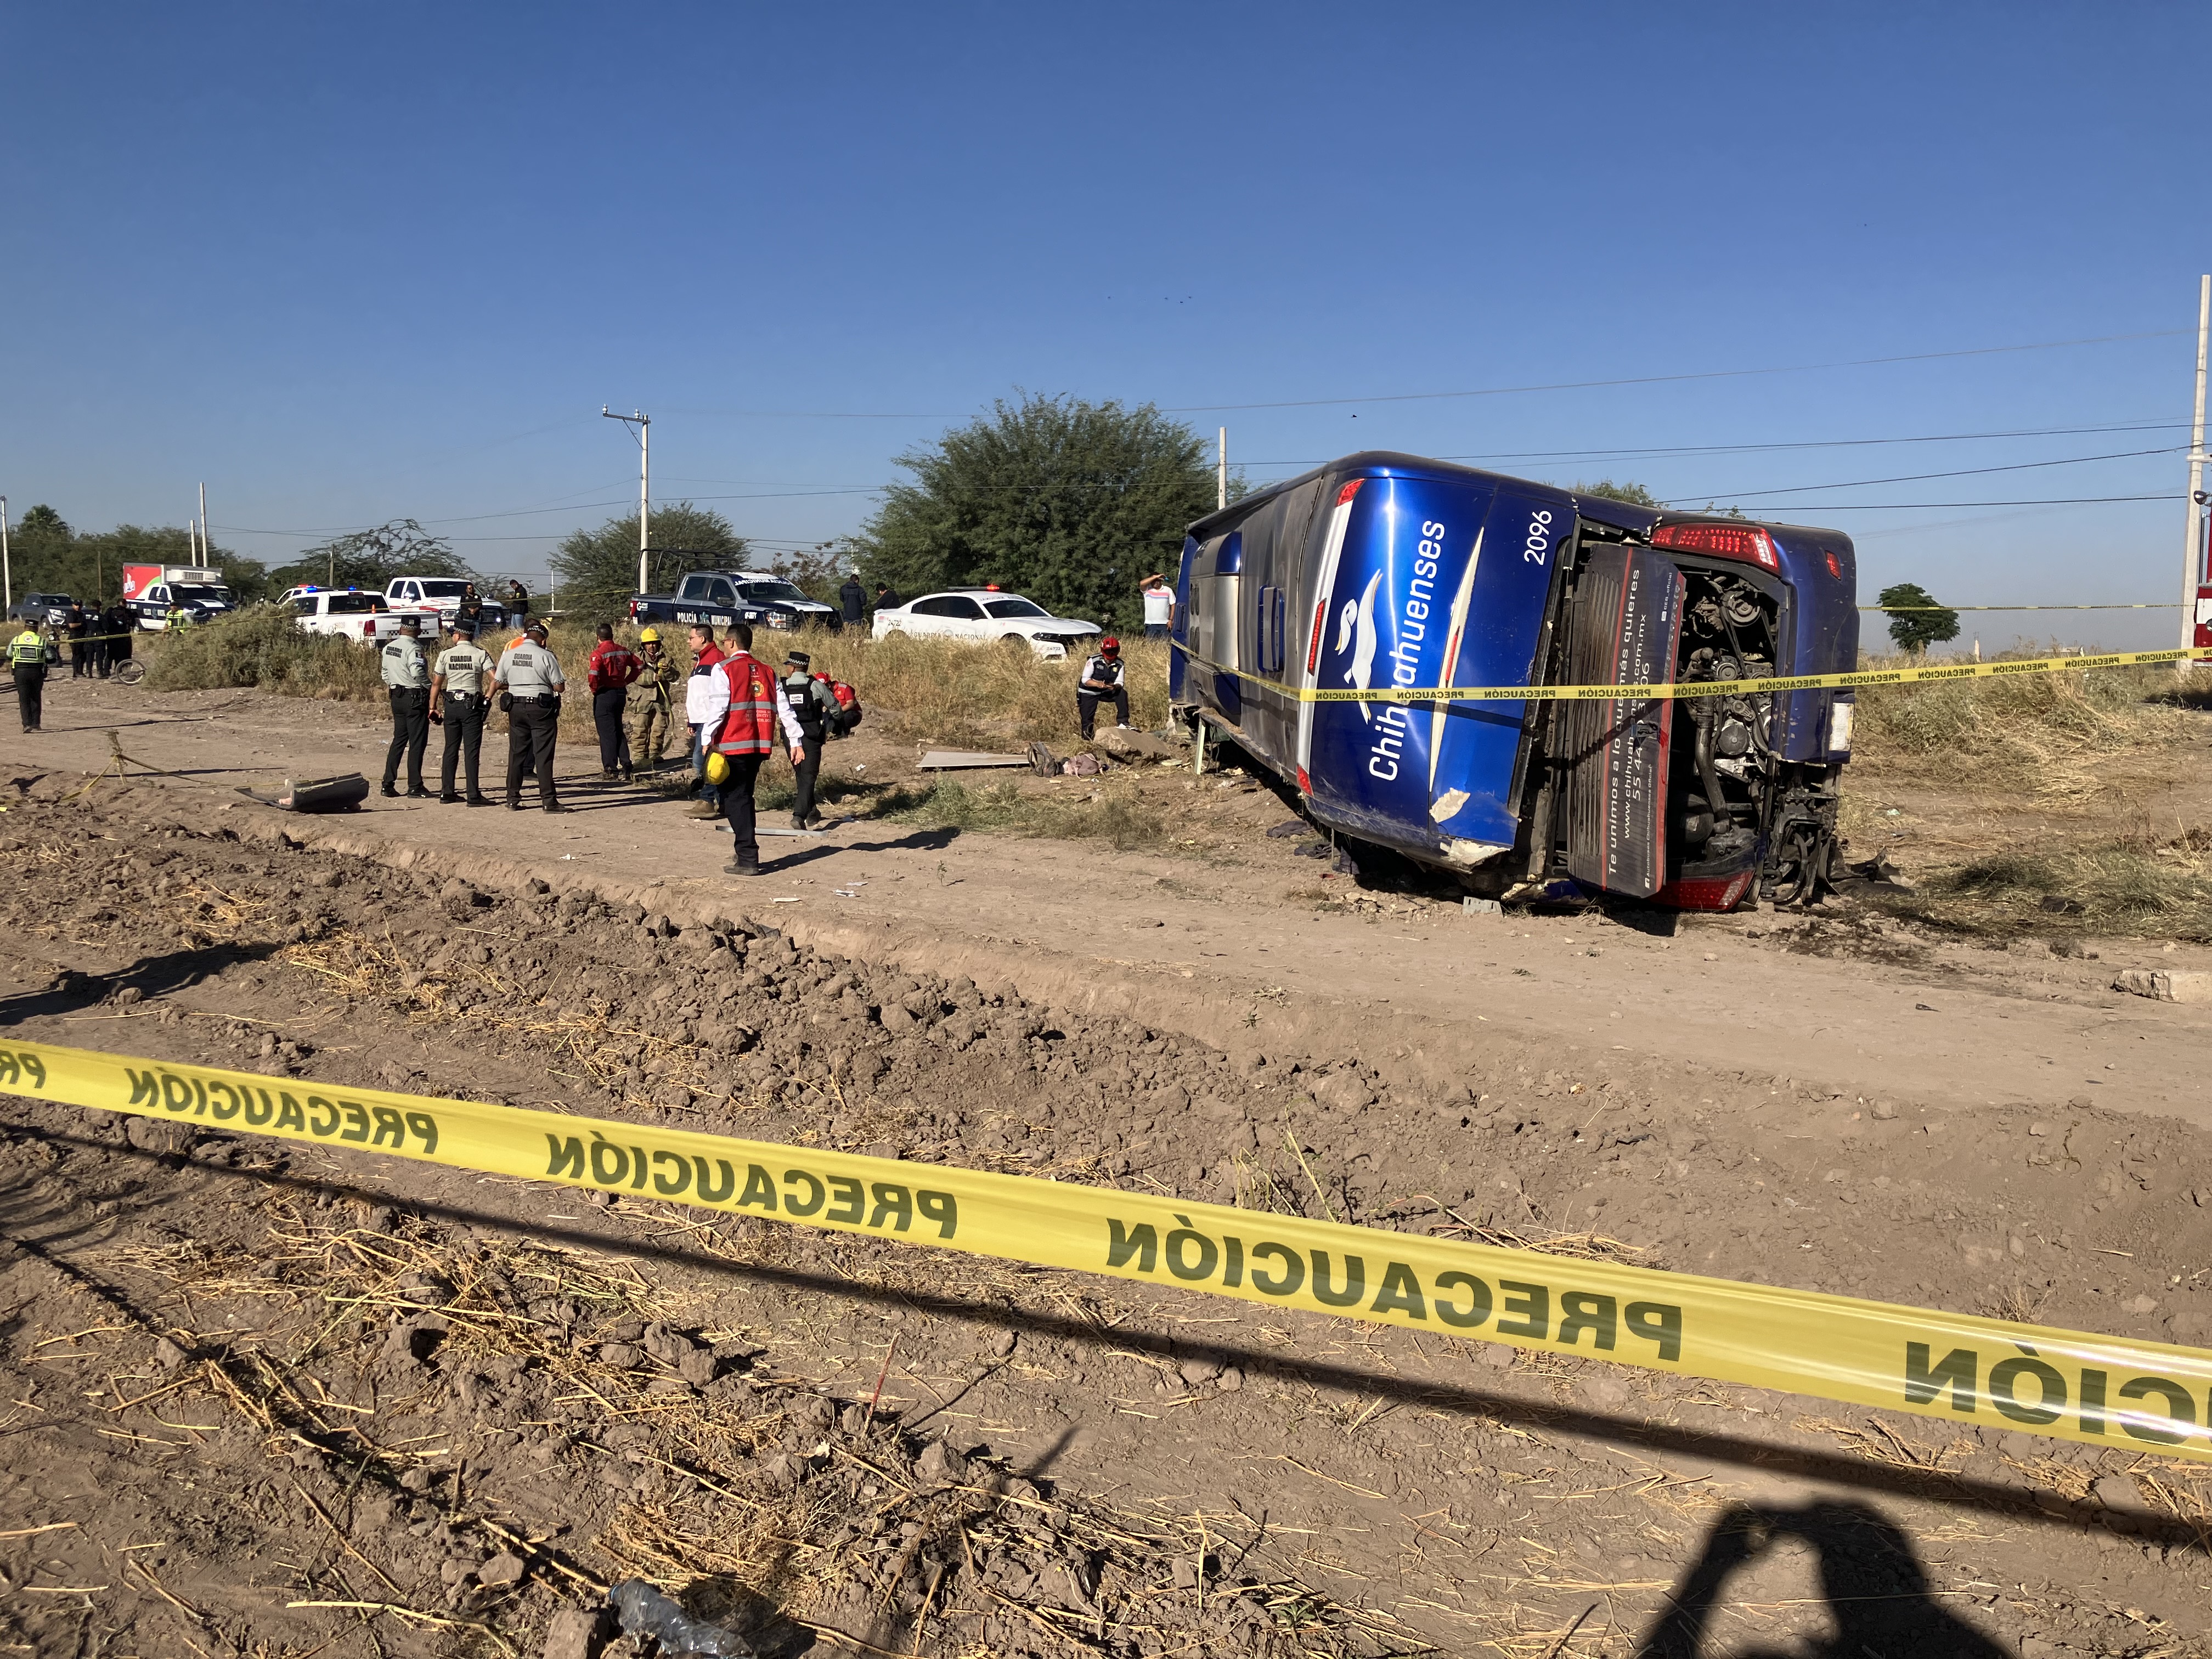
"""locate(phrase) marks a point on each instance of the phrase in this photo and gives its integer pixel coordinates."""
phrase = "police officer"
(78, 626)
(1103, 683)
(814, 706)
(27, 660)
(176, 618)
(530, 676)
(649, 720)
(118, 622)
(460, 684)
(406, 671)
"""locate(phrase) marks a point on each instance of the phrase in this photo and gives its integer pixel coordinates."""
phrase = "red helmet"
(1109, 645)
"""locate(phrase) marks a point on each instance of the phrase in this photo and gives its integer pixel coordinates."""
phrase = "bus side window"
(1270, 631)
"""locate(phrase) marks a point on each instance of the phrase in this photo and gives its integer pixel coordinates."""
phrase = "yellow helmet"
(718, 769)
(650, 636)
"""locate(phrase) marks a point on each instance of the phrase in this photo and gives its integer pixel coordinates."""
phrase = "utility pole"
(644, 424)
(7, 570)
(2192, 561)
(204, 540)
(1221, 478)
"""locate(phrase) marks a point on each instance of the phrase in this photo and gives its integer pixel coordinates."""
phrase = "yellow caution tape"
(1969, 670)
(2099, 1390)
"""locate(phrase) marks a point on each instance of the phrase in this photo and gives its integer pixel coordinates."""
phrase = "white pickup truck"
(442, 594)
(352, 613)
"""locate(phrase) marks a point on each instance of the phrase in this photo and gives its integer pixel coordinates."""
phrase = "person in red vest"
(742, 704)
(612, 666)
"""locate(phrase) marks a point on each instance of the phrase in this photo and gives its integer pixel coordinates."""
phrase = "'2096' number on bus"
(1539, 537)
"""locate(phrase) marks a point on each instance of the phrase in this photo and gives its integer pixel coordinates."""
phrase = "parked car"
(48, 609)
(760, 598)
(988, 614)
(1383, 570)
(354, 613)
(443, 595)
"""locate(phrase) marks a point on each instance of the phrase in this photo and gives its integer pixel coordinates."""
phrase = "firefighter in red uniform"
(612, 666)
(743, 704)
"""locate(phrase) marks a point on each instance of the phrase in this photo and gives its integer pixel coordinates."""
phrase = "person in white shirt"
(1159, 608)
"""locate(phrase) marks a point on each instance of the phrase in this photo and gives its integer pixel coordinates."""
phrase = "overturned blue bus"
(1384, 571)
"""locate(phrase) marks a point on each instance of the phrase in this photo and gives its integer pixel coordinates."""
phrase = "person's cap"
(798, 659)
(535, 629)
(410, 625)
(466, 630)
(650, 636)
(1109, 645)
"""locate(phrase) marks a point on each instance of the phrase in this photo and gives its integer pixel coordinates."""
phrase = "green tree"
(1071, 503)
(47, 555)
(371, 558)
(1916, 621)
(597, 569)
(1634, 493)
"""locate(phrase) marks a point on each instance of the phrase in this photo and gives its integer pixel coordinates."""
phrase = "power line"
(1665, 452)
(1901, 507)
(1917, 477)
(1480, 392)
(1659, 380)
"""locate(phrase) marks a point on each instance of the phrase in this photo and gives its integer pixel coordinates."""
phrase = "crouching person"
(743, 708)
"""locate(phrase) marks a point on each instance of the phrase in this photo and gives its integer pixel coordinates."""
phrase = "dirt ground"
(278, 1400)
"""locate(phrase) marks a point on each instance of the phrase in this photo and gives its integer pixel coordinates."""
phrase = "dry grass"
(1115, 814)
(944, 691)
(940, 690)
(2136, 884)
(2037, 734)
(260, 647)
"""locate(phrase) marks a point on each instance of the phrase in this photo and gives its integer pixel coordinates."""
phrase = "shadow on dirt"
(151, 976)
(1877, 1593)
(1663, 1439)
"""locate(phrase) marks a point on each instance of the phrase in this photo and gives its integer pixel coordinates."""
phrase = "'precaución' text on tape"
(2102, 1390)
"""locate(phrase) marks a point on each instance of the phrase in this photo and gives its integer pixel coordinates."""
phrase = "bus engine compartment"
(1311, 616)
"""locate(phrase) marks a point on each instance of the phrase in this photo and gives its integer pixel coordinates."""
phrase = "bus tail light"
(1722, 541)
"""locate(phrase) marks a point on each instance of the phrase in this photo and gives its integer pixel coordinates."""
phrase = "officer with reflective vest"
(176, 618)
(652, 711)
(815, 706)
(27, 660)
(530, 683)
(460, 687)
(744, 706)
(609, 672)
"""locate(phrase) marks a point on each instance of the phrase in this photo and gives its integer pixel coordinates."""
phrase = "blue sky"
(351, 263)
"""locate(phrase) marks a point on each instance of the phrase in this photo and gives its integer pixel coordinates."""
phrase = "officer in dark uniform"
(117, 621)
(815, 705)
(460, 686)
(406, 673)
(531, 679)
(78, 627)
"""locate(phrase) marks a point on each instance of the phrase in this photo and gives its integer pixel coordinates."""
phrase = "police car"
(759, 598)
(351, 613)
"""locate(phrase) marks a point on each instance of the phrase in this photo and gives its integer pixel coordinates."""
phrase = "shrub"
(261, 646)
